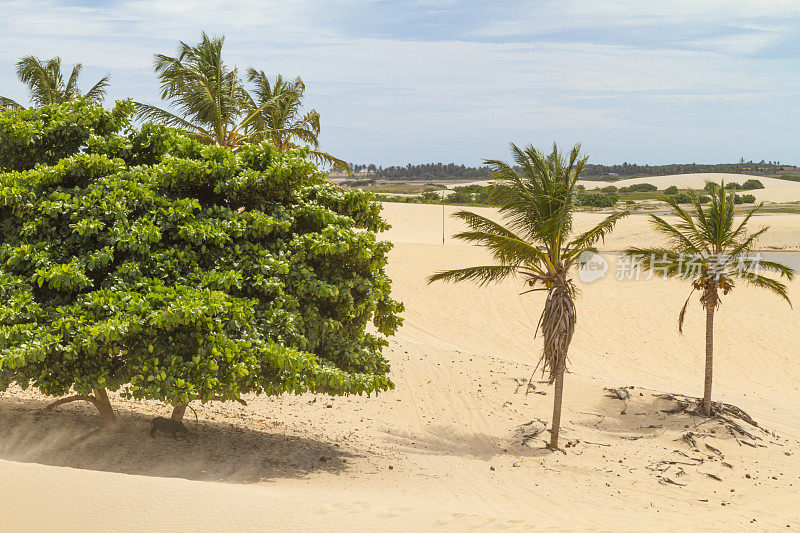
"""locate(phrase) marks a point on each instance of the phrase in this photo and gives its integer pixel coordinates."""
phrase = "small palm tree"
(535, 242)
(709, 250)
(283, 120)
(208, 94)
(46, 84)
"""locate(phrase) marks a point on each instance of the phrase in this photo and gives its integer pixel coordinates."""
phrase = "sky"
(419, 81)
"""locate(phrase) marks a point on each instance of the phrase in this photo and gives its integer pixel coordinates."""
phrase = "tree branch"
(74, 398)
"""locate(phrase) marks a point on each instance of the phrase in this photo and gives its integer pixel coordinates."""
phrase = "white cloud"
(409, 97)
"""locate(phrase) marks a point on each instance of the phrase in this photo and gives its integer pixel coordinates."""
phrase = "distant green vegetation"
(597, 199)
(633, 170)
(394, 188)
(451, 171)
(603, 198)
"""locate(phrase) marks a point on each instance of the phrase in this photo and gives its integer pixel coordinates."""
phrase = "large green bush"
(147, 263)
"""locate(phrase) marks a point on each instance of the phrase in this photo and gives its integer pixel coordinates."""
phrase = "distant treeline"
(442, 171)
(428, 171)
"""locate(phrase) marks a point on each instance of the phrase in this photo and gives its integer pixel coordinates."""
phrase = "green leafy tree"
(46, 83)
(148, 263)
(281, 118)
(711, 250)
(536, 242)
(51, 133)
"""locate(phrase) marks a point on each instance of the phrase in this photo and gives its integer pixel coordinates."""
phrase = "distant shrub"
(590, 199)
(639, 187)
(733, 186)
(682, 198)
(431, 197)
(471, 189)
(459, 197)
(358, 183)
(744, 199)
(610, 188)
(672, 189)
(748, 199)
(750, 185)
(704, 199)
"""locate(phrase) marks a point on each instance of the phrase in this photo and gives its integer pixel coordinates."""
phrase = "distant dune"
(775, 190)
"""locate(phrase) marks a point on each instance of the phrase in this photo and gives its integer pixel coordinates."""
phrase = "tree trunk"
(178, 411)
(706, 406)
(103, 405)
(558, 394)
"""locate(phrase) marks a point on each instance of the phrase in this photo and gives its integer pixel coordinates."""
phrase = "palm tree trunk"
(706, 406)
(558, 326)
(558, 395)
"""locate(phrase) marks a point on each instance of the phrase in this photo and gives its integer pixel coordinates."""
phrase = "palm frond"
(740, 230)
(149, 112)
(328, 159)
(682, 314)
(683, 236)
(588, 239)
(763, 282)
(71, 89)
(8, 104)
(668, 262)
(98, 90)
(478, 274)
(756, 264)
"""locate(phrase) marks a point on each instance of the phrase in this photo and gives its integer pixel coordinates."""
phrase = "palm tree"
(45, 82)
(215, 108)
(207, 92)
(710, 251)
(213, 104)
(536, 242)
(283, 120)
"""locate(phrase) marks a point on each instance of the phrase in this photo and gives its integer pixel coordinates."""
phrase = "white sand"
(775, 190)
(454, 416)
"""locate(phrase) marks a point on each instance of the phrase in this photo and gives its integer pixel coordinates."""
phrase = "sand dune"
(775, 190)
(452, 448)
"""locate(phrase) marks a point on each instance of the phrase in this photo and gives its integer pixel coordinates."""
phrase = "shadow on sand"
(445, 440)
(223, 452)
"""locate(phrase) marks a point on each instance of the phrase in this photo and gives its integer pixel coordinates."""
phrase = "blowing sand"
(453, 447)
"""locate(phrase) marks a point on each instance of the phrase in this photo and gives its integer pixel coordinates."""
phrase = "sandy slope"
(445, 449)
(775, 190)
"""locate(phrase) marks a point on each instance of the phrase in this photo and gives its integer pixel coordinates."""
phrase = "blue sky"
(451, 81)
